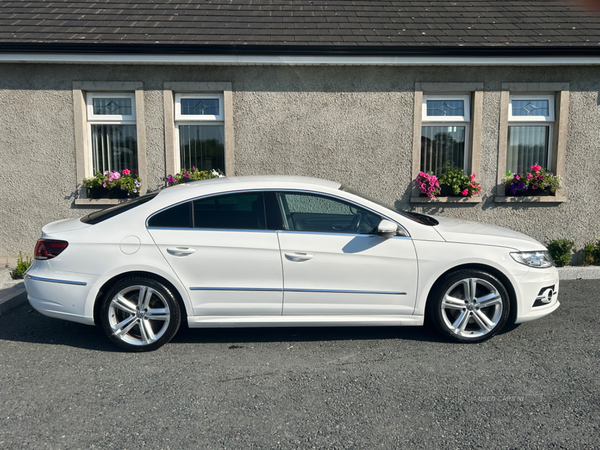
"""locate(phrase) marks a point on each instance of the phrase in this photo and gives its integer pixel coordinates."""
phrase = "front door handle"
(180, 251)
(298, 256)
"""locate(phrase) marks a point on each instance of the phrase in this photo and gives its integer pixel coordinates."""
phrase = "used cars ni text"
(283, 251)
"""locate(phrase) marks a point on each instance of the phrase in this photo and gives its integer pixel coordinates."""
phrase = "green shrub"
(560, 250)
(595, 253)
(588, 254)
(22, 266)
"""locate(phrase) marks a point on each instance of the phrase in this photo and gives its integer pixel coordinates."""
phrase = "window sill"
(476, 199)
(93, 202)
(531, 199)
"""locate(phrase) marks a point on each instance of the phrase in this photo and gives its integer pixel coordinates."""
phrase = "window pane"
(233, 211)
(175, 217)
(442, 149)
(202, 146)
(445, 108)
(530, 108)
(112, 106)
(527, 145)
(314, 213)
(114, 147)
(200, 106)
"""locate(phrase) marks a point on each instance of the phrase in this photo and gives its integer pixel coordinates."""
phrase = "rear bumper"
(59, 294)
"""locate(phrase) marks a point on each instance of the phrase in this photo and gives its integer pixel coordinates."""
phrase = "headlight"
(539, 260)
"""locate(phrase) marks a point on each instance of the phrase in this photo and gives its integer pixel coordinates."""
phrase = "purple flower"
(186, 175)
(135, 191)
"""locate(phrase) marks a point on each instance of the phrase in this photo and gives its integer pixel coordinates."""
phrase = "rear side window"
(100, 216)
(244, 211)
(179, 216)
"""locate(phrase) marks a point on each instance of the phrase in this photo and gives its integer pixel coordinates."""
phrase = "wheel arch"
(139, 273)
(512, 295)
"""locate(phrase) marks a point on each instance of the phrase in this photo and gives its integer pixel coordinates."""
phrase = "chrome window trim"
(53, 280)
(303, 191)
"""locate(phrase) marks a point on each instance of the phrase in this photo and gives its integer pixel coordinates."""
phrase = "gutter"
(100, 53)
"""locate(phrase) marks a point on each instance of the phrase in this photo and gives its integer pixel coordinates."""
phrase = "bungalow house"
(368, 93)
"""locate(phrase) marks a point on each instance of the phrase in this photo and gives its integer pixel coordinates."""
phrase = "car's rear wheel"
(140, 314)
(469, 306)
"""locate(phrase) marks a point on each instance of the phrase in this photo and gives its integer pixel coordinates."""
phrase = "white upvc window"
(445, 127)
(199, 131)
(530, 132)
(112, 134)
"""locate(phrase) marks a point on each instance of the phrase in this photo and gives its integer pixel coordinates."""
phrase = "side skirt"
(301, 321)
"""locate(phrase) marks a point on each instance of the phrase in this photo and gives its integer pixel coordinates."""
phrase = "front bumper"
(537, 294)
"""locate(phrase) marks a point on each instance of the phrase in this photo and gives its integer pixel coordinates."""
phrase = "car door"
(223, 254)
(334, 262)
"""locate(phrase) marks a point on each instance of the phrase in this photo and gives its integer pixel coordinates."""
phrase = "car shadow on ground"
(23, 324)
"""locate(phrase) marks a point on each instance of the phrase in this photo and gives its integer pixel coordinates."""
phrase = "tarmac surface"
(65, 386)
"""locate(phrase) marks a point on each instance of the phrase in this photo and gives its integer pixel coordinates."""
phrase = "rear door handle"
(180, 251)
(299, 256)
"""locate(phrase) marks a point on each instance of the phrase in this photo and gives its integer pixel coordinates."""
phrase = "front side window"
(199, 129)
(112, 131)
(530, 130)
(317, 213)
(444, 133)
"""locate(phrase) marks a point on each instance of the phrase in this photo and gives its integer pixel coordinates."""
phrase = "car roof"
(224, 184)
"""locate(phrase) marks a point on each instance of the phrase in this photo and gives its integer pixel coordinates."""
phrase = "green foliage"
(192, 174)
(588, 253)
(595, 253)
(560, 250)
(461, 183)
(22, 266)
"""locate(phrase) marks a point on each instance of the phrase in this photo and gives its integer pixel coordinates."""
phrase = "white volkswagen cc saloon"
(275, 251)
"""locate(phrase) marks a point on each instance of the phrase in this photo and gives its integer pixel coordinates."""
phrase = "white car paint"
(279, 278)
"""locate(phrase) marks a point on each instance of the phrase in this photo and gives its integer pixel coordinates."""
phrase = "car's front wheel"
(140, 314)
(469, 306)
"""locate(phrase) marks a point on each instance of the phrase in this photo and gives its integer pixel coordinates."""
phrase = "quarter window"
(530, 132)
(444, 133)
(316, 213)
(112, 131)
(199, 130)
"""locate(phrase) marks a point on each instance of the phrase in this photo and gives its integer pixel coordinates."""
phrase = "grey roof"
(312, 24)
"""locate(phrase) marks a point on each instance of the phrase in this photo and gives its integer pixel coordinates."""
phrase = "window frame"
(108, 118)
(179, 117)
(424, 91)
(560, 93)
(83, 150)
(466, 98)
(177, 90)
(543, 121)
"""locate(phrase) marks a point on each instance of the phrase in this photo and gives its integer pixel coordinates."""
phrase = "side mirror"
(387, 229)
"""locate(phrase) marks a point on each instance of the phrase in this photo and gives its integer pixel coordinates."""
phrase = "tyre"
(469, 306)
(140, 314)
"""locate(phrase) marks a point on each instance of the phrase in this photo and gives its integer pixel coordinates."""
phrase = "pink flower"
(536, 168)
(517, 177)
(529, 176)
(535, 186)
(431, 189)
(472, 177)
(418, 179)
(465, 192)
(126, 171)
(103, 185)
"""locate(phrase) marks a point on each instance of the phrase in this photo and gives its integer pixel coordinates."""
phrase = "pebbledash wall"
(353, 124)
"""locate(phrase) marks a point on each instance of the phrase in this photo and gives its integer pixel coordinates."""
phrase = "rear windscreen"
(99, 216)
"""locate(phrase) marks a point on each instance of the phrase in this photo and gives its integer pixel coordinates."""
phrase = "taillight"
(49, 248)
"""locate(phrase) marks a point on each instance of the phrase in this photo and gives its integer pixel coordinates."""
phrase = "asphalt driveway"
(64, 386)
